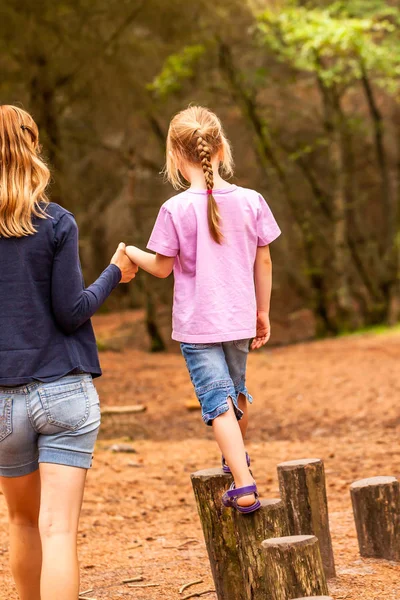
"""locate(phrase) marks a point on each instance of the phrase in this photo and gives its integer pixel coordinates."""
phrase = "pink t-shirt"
(214, 295)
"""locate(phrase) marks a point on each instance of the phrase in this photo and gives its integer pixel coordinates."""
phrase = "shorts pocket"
(243, 345)
(66, 405)
(5, 417)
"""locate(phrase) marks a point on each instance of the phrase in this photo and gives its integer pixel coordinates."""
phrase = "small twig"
(134, 547)
(86, 592)
(187, 585)
(197, 594)
(143, 585)
(139, 578)
(86, 598)
(188, 542)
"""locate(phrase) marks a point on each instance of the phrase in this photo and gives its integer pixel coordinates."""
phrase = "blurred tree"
(307, 87)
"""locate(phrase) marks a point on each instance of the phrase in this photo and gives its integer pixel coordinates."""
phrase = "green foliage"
(332, 43)
(177, 69)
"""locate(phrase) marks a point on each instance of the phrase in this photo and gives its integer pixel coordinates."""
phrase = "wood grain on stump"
(376, 508)
(251, 530)
(294, 567)
(234, 540)
(216, 521)
(303, 491)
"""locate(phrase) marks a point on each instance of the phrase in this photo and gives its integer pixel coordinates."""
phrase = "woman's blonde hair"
(23, 174)
(196, 136)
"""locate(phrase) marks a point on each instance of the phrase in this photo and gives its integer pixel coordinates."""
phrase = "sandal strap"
(247, 490)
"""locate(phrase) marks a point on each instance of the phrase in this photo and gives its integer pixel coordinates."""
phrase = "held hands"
(128, 269)
(263, 330)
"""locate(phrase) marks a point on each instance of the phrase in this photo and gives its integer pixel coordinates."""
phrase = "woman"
(49, 408)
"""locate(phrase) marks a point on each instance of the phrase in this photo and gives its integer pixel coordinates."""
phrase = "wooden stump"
(209, 486)
(269, 521)
(234, 540)
(294, 567)
(376, 507)
(303, 491)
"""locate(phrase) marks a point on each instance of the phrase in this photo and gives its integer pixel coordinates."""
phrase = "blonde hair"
(23, 174)
(196, 136)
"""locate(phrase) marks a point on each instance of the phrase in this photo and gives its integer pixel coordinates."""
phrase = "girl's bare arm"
(263, 282)
(155, 264)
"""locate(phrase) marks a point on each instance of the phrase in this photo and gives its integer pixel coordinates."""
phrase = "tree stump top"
(205, 474)
(370, 481)
(315, 598)
(290, 540)
(289, 464)
(270, 503)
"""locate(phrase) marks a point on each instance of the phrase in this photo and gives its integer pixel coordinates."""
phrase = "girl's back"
(214, 297)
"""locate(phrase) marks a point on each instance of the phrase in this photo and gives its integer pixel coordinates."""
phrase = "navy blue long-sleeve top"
(45, 310)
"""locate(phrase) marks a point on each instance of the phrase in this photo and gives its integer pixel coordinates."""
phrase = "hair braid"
(214, 219)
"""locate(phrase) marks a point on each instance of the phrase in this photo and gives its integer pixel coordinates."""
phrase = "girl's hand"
(263, 330)
(127, 267)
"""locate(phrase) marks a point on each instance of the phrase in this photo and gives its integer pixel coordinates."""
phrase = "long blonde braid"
(196, 136)
(214, 218)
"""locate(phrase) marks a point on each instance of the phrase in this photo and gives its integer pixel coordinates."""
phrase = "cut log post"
(209, 486)
(234, 540)
(270, 521)
(294, 567)
(376, 508)
(303, 491)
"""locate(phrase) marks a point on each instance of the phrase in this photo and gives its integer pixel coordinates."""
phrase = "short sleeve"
(267, 228)
(164, 238)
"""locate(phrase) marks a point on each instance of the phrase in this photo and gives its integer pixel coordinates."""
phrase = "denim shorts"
(218, 372)
(54, 422)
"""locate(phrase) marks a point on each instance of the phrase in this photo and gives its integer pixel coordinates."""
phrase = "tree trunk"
(303, 491)
(381, 155)
(234, 540)
(294, 567)
(394, 267)
(334, 128)
(376, 507)
(46, 115)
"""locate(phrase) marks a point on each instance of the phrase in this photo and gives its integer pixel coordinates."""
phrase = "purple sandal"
(229, 499)
(226, 468)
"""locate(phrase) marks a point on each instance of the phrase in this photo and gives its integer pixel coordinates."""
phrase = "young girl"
(215, 238)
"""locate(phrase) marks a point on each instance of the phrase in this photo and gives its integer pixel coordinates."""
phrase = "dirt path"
(337, 400)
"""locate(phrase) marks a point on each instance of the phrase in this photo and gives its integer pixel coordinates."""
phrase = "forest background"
(308, 92)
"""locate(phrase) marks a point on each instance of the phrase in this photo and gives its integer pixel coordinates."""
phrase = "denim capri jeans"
(218, 372)
(54, 422)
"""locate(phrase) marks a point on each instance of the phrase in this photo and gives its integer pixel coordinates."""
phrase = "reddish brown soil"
(336, 399)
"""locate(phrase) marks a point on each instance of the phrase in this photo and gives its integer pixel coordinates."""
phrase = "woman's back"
(44, 328)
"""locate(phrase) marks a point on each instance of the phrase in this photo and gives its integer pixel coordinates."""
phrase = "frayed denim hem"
(242, 389)
(208, 418)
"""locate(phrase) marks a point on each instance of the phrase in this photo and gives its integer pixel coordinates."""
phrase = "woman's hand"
(263, 330)
(127, 267)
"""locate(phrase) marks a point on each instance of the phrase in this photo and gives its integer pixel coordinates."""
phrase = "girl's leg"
(244, 421)
(22, 495)
(230, 440)
(62, 495)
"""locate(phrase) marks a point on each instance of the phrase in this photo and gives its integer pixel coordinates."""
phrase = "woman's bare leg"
(61, 501)
(22, 495)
